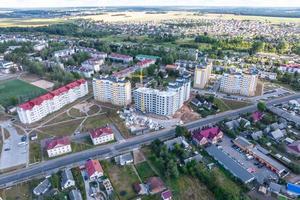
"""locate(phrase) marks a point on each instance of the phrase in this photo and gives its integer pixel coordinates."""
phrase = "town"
(122, 105)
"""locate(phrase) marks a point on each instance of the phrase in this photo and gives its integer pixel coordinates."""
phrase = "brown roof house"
(155, 185)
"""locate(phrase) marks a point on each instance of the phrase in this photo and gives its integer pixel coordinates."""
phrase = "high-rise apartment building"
(201, 76)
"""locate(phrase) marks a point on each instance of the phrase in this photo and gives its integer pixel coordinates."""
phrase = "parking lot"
(260, 171)
(15, 150)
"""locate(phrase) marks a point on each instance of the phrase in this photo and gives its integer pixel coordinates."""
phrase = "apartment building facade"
(36, 109)
(163, 102)
(201, 75)
(112, 90)
(242, 84)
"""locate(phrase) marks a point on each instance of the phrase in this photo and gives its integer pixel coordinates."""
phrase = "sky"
(75, 3)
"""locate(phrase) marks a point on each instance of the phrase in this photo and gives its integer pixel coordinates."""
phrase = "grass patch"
(95, 122)
(17, 91)
(60, 118)
(221, 105)
(62, 129)
(35, 153)
(235, 104)
(122, 179)
(93, 110)
(76, 113)
(144, 171)
(188, 188)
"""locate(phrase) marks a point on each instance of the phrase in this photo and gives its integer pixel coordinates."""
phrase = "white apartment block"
(59, 146)
(102, 135)
(112, 90)
(93, 64)
(201, 76)
(64, 52)
(242, 84)
(38, 108)
(163, 102)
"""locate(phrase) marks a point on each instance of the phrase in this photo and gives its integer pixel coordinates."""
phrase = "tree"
(261, 106)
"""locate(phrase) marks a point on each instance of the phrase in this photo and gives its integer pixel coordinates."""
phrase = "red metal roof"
(93, 166)
(208, 133)
(58, 142)
(39, 100)
(145, 62)
(99, 132)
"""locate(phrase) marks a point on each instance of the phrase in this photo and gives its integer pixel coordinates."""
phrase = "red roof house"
(58, 142)
(257, 116)
(58, 146)
(93, 169)
(155, 185)
(212, 135)
(100, 132)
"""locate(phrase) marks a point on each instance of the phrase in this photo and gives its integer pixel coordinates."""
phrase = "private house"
(42, 188)
(101, 135)
(178, 140)
(124, 159)
(93, 169)
(277, 134)
(294, 148)
(67, 179)
(155, 185)
(58, 146)
(209, 135)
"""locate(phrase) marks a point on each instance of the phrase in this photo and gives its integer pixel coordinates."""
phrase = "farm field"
(173, 15)
(28, 22)
(20, 90)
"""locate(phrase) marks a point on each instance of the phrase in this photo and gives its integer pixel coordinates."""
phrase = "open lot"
(20, 90)
(122, 179)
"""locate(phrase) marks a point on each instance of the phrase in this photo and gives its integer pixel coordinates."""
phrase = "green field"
(17, 91)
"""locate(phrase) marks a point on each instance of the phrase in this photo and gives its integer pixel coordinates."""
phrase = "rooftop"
(227, 162)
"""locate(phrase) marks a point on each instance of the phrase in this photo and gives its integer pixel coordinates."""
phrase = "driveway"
(14, 151)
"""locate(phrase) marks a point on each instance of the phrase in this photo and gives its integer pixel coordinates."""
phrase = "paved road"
(111, 150)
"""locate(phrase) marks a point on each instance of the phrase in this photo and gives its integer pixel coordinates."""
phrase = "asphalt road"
(111, 150)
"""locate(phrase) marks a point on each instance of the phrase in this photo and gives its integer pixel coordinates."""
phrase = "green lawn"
(20, 90)
(144, 171)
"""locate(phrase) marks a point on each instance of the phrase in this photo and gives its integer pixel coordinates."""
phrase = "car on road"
(6, 149)
(23, 138)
